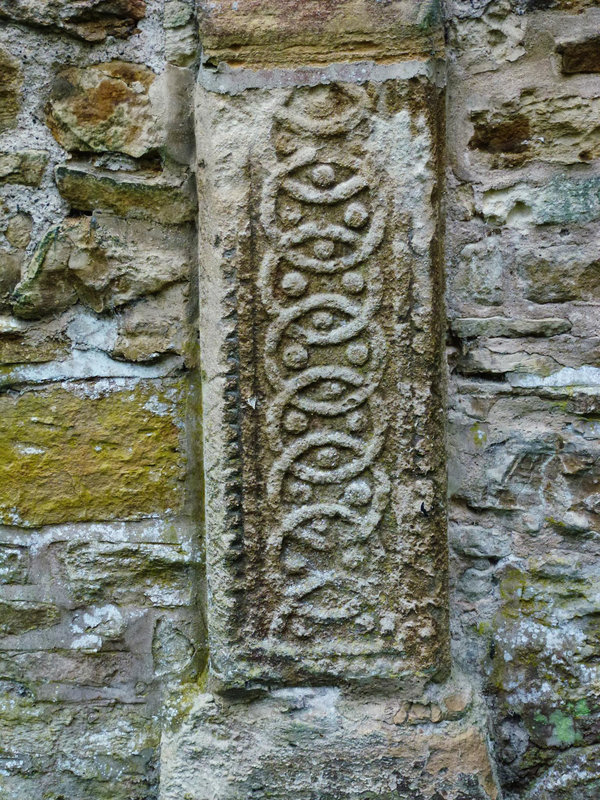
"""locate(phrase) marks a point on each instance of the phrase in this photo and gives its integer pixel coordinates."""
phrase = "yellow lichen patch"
(90, 452)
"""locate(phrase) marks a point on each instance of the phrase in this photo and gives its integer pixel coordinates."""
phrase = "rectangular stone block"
(321, 337)
(91, 451)
(284, 32)
(316, 743)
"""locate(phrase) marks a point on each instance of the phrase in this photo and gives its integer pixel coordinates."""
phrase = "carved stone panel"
(321, 336)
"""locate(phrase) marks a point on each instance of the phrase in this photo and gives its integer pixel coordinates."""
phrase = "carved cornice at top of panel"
(292, 32)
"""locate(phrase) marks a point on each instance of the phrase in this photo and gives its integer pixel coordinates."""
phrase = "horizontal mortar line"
(230, 80)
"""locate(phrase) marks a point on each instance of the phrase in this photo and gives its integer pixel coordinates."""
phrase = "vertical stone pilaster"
(321, 335)
(320, 146)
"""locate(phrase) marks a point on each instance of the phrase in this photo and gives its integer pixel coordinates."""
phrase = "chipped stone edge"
(233, 81)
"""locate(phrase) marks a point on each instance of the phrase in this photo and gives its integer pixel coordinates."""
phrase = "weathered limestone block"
(514, 451)
(105, 107)
(487, 37)
(480, 274)
(10, 90)
(544, 265)
(163, 196)
(181, 32)
(267, 749)
(156, 325)
(92, 20)
(95, 451)
(558, 271)
(467, 328)
(144, 573)
(530, 356)
(320, 329)
(10, 273)
(26, 342)
(104, 262)
(16, 228)
(25, 167)
(284, 32)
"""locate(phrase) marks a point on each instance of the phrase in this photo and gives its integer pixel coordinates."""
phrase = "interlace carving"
(325, 352)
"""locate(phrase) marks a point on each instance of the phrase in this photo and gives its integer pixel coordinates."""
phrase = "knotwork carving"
(323, 216)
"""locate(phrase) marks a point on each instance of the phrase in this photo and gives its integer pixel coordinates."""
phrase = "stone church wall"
(197, 202)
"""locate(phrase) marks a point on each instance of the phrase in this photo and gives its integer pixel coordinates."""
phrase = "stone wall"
(523, 265)
(99, 489)
(304, 152)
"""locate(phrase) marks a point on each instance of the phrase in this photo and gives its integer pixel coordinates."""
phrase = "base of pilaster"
(321, 744)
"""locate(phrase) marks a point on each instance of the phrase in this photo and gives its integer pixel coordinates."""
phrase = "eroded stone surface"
(102, 261)
(161, 196)
(318, 31)
(92, 20)
(309, 741)
(157, 325)
(78, 452)
(105, 107)
(557, 129)
(26, 167)
(325, 500)
(582, 56)
(546, 649)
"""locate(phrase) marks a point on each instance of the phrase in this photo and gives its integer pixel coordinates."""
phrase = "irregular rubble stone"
(90, 452)
(10, 90)
(22, 342)
(481, 274)
(556, 272)
(102, 261)
(574, 775)
(535, 356)
(560, 128)
(18, 616)
(505, 456)
(181, 36)
(173, 649)
(156, 325)
(127, 572)
(82, 749)
(52, 291)
(92, 20)
(161, 196)
(487, 41)
(545, 677)
(105, 107)
(307, 738)
(14, 563)
(26, 167)
(562, 200)
(17, 233)
(474, 541)
(18, 230)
